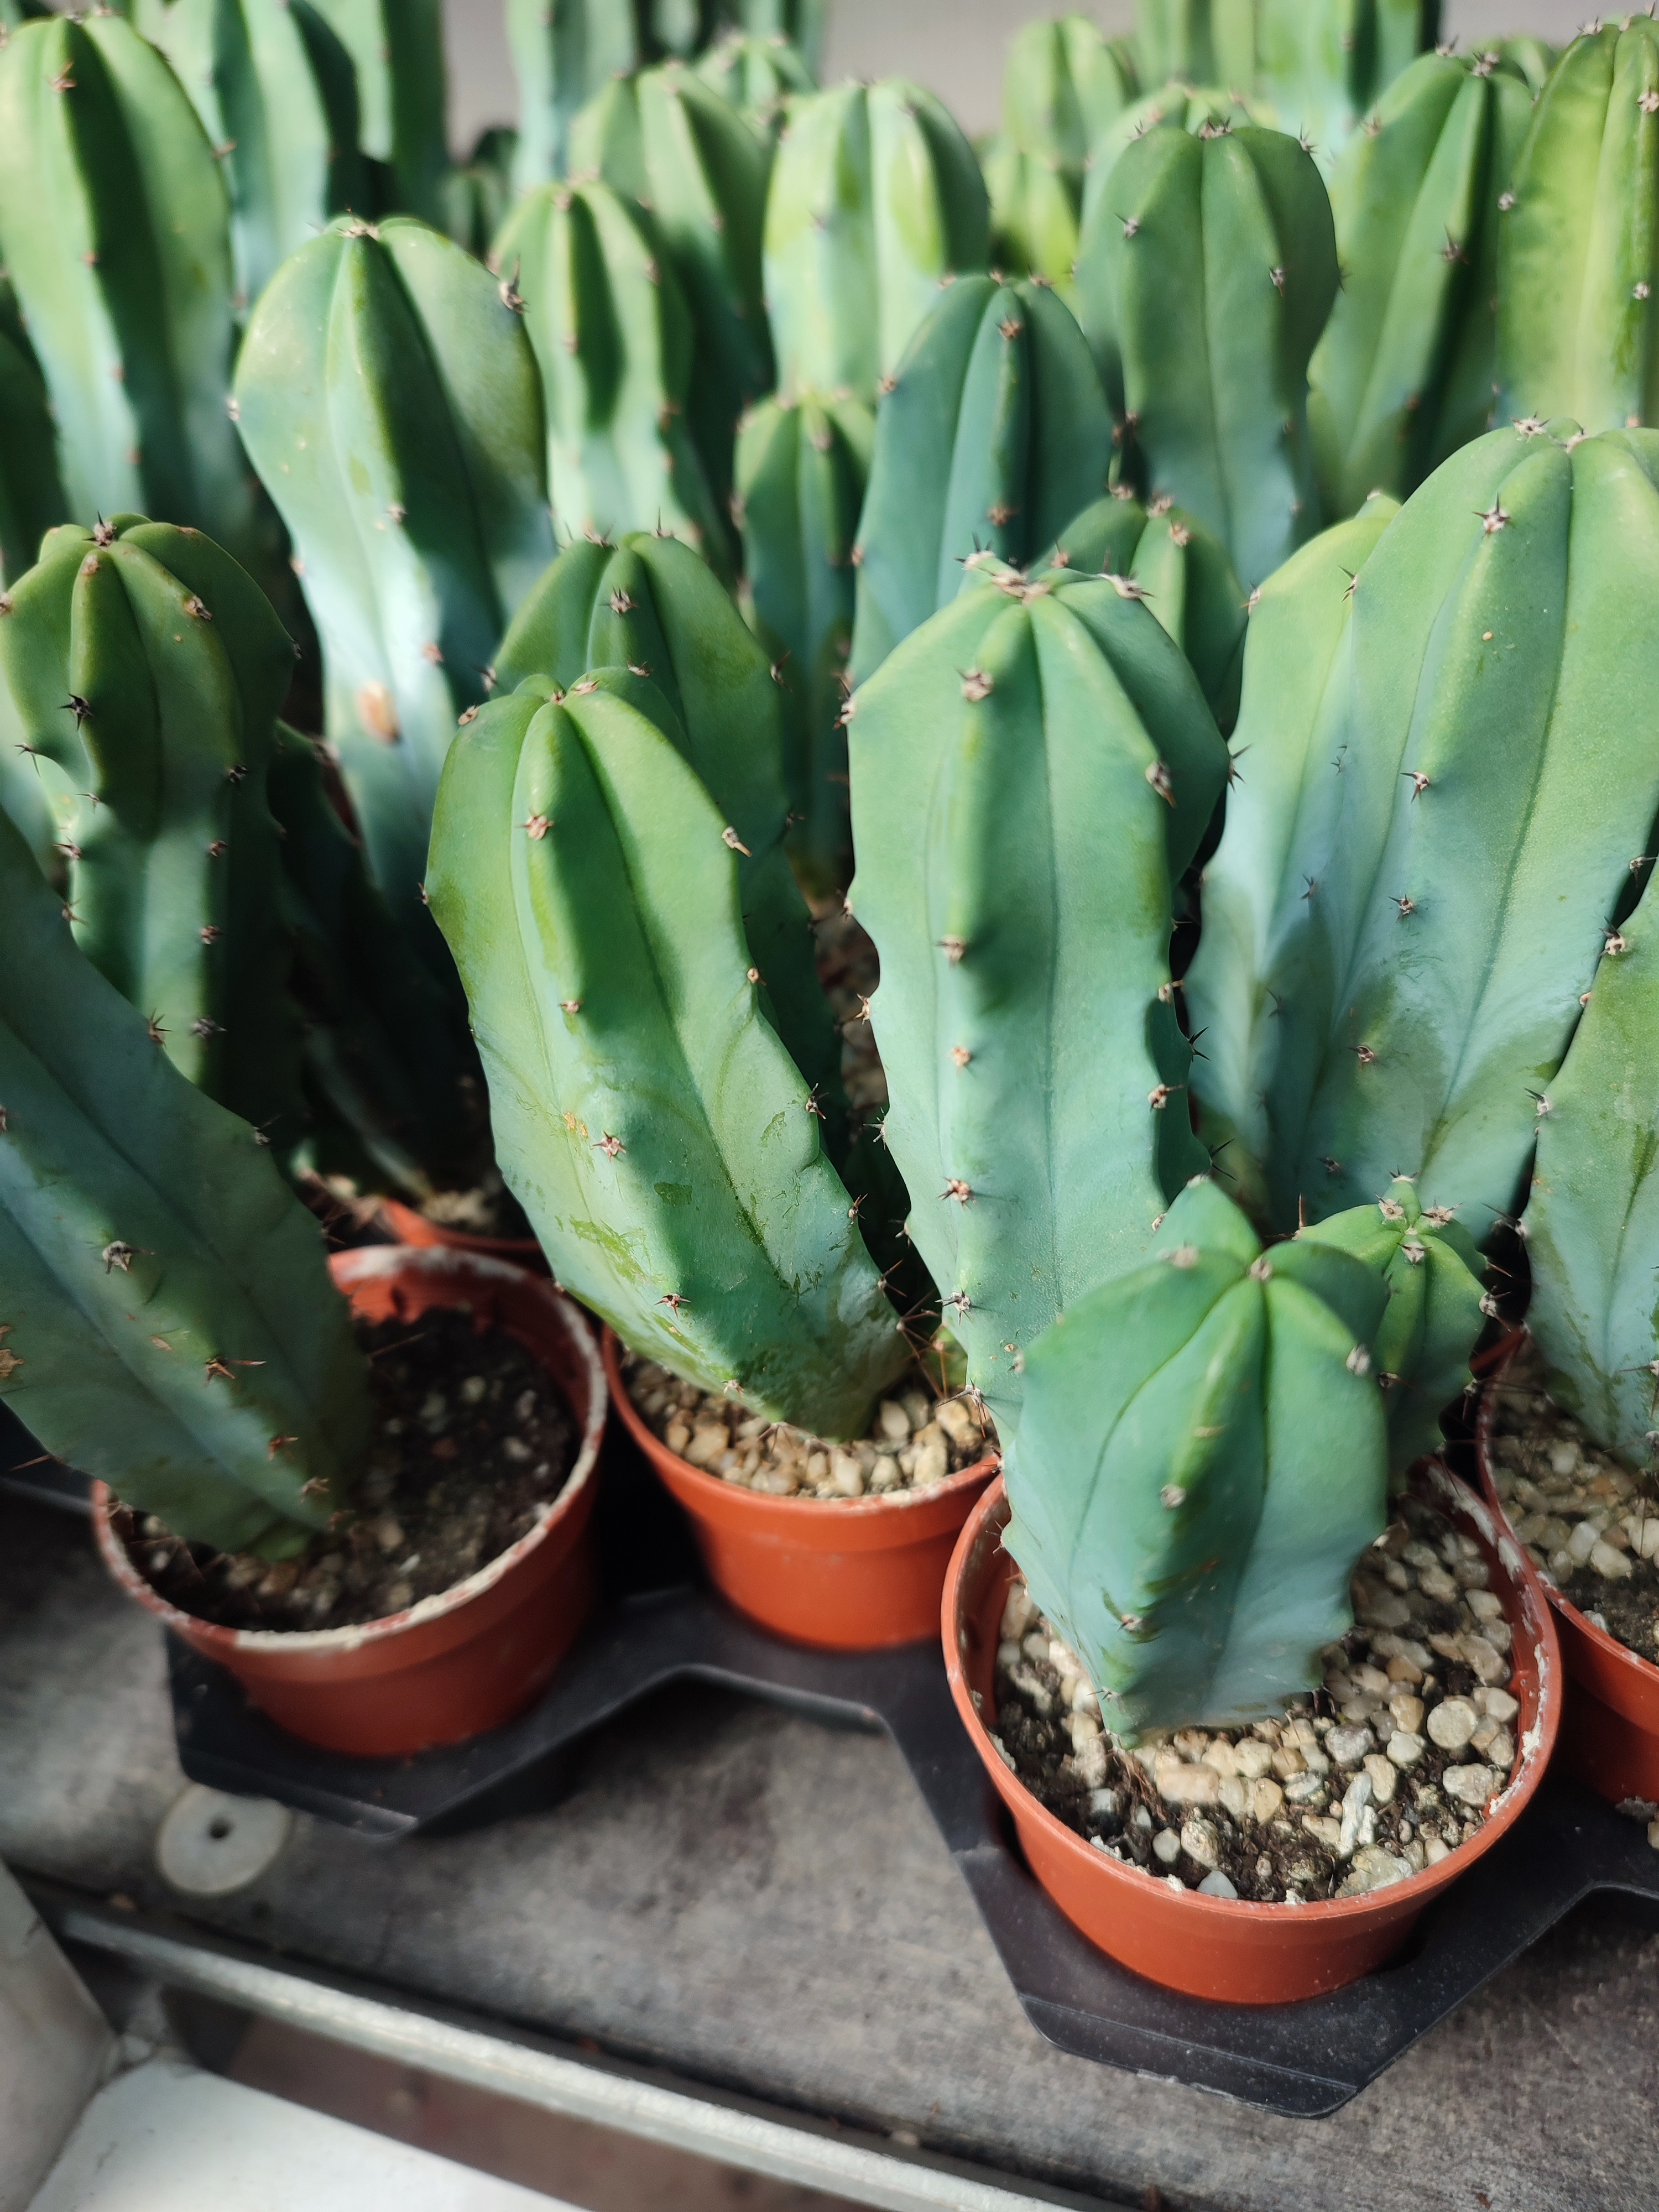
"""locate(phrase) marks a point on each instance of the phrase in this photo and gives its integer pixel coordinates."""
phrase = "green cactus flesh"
(478, 192)
(1403, 375)
(167, 1321)
(1579, 255)
(1032, 770)
(876, 200)
(1435, 1310)
(563, 52)
(797, 23)
(991, 436)
(1592, 1221)
(1063, 86)
(758, 77)
(389, 398)
(397, 49)
(147, 669)
(647, 1115)
(614, 343)
(1185, 577)
(276, 94)
(650, 606)
(114, 225)
(1200, 1460)
(1197, 41)
(31, 490)
(1218, 271)
(1462, 775)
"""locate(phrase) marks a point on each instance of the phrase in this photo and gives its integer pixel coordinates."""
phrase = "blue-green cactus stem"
(166, 1321)
(32, 498)
(876, 200)
(993, 434)
(1325, 64)
(1063, 85)
(1032, 770)
(647, 1115)
(1579, 255)
(800, 23)
(147, 669)
(114, 225)
(1435, 1313)
(1220, 263)
(397, 49)
(614, 345)
(1187, 579)
(388, 395)
(1197, 41)
(1201, 1460)
(1403, 375)
(758, 77)
(1592, 1219)
(802, 468)
(277, 94)
(563, 52)
(1485, 766)
(478, 192)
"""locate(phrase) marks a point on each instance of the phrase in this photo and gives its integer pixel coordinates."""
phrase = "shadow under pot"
(1226, 1948)
(845, 1574)
(1610, 1733)
(468, 1658)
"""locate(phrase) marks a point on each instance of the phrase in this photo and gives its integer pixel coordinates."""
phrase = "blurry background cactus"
(1063, 84)
(563, 52)
(1201, 1459)
(388, 394)
(991, 434)
(169, 1325)
(31, 487)
(478, 191)
(397, 49)
(876, 200)
(276, 93)
(1032, 771)
(1579, 258)
(758, 76)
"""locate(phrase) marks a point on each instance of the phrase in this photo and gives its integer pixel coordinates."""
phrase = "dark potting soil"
(472, 1442)
(1271, 1817)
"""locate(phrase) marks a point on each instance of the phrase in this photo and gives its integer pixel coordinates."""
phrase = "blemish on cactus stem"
(753, 975)
(609, 1145)
(570, 1005)
(960, 1057)
(1261, 1270)
(1172, 1497)
(1359, 1361)
(1184, 1255)
(976, 685)
(470, 715)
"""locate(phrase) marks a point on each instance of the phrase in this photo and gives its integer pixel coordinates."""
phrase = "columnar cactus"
(993, 434)
(1592, 1221)
(277, 96)
(876, 200)
(563, 52)
(1032, 771)
(1219, 267)
(1185, 576)
(147, 669)
(388, 395)
(802, 467)
(670, 144)
(646, 1115)
(800, 22)
(1201, 1459)
(31, 488)
(1324, 63)
(1435, 1310)
(614, 343)
(114, 225)
(1063, 84)
(1197, 41)
(166, 1321)
(397, 48)
(1403, 375)
(478, 191)
(1579, 256)
(650, 605)
(758, 77)
(1458, 787)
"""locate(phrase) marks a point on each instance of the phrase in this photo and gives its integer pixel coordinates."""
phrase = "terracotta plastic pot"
(473, 1655)
(1610, 1734)
(410, 1227)
(1213, 1947)
(852, 1574)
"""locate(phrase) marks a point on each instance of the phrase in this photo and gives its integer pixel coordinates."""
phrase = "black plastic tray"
(658, 1626)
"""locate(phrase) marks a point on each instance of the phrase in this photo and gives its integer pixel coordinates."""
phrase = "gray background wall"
(956, 46)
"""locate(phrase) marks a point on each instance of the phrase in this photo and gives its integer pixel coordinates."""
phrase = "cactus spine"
(992, 433)
(1483, 761)
(1219, 267)
(1403, 375)
(115, 228)
(173, 667)
(646, 1115)
(1578, 259)
(388, 396)
(1200, 1460)
(397, 49)
(277, 96)
(876, 200)
(614, 344)
(802, 468)
(1032, 771)
(166, 1321)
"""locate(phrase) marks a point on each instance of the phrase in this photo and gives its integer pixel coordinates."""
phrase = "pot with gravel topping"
(1274, 1859)
(442, 1599)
